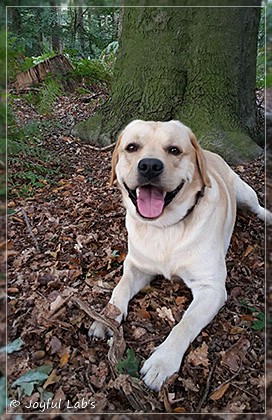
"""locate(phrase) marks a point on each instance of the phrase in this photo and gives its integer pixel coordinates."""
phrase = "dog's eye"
(132, 147)
(173, 150)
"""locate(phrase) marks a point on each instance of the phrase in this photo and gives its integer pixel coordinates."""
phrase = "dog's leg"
(247, 200)
(167, 358)
(132, 281)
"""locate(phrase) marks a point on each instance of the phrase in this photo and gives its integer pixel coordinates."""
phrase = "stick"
(207, 386)
(98, 317)
(30, 230)
(102, 149)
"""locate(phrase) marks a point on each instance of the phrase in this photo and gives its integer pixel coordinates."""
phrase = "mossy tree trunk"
(197, 65)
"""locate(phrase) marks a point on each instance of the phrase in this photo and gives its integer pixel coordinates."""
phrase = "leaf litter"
(57, 289)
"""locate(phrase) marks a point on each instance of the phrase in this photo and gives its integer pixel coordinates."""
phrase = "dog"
(181, 205)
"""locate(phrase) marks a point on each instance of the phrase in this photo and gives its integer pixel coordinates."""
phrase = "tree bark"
(55, 38)
(80, 27)
(197, 65)
(16, 20)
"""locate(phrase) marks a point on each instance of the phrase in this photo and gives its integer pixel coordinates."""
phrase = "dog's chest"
(160, 251)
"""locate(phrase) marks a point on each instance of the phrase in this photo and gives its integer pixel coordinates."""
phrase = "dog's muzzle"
(150, 200)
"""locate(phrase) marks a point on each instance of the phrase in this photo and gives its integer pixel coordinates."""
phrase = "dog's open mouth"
(150, 200)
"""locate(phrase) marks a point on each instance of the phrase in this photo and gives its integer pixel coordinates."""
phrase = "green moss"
(233, 146)
(178, 63)
(90, 129)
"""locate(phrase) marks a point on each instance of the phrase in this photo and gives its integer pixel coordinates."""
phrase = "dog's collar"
(198, 195)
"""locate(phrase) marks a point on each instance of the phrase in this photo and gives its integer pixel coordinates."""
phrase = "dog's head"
(154, 163)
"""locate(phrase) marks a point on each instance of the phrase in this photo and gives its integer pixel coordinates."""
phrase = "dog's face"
(154, 163)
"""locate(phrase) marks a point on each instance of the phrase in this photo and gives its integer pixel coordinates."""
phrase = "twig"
(148, 340)
(223, 383)
(98, 317)
(30, 229)
(102, 149)
(245, 391)
(207, 386)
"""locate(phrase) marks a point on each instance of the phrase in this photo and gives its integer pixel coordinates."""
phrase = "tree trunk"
(55, 38)
(197, 65)
(40, 34)
(80, 29)
(73, 27)
(16, 20)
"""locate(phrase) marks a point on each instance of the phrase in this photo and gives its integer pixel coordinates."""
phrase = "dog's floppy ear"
(201, 161)
(114, 160)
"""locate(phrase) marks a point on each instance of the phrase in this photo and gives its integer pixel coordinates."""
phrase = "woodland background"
(60, 248)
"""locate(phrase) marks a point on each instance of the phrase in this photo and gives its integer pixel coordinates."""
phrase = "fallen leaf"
(64, 356)
(138, 332)
(189, 384)
(99, 374)
(55, 345)
(143, 313)
(13, 346)
(236, 330)
(179, 410)
(32, 377)
(180, 300)
(248, 251)
(219, 392)
(199, 356)
(111, 311)
(129, 364)
(165, 313)
(58, 302)
(122, 382)
(52, 379)
(235, 354)
(240, 168)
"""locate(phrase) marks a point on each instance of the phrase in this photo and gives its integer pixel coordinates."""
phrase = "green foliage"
(3, 58)
(111, 48)
(92, 71)
(3, 395)
(44, 100)
(95, 71)
(259, 317)
(32, 165)
(47, 96)
(16, 60)
(130, 364)
(2, 115)
(31, 378)
(84, 30)
(43, 57)
(259, 322)
(108, 56)
(13, 346)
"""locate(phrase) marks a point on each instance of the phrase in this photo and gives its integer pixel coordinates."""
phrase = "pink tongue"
(150, 201)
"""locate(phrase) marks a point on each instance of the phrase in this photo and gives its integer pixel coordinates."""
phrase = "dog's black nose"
(150, 168)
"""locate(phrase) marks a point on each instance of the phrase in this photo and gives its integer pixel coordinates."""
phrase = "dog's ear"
(201, 161)
(114, 160)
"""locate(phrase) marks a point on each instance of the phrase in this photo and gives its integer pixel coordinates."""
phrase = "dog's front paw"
(158, 368)
(99, 330)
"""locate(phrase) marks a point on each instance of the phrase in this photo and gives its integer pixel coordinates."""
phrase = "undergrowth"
(32, 166)
(50, 91)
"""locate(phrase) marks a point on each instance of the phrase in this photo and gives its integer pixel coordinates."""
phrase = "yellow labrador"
(181, 209)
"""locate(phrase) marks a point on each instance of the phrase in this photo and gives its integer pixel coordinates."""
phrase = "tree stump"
(55, 66)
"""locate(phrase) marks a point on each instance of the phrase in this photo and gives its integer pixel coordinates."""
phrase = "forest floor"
(66, 247)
